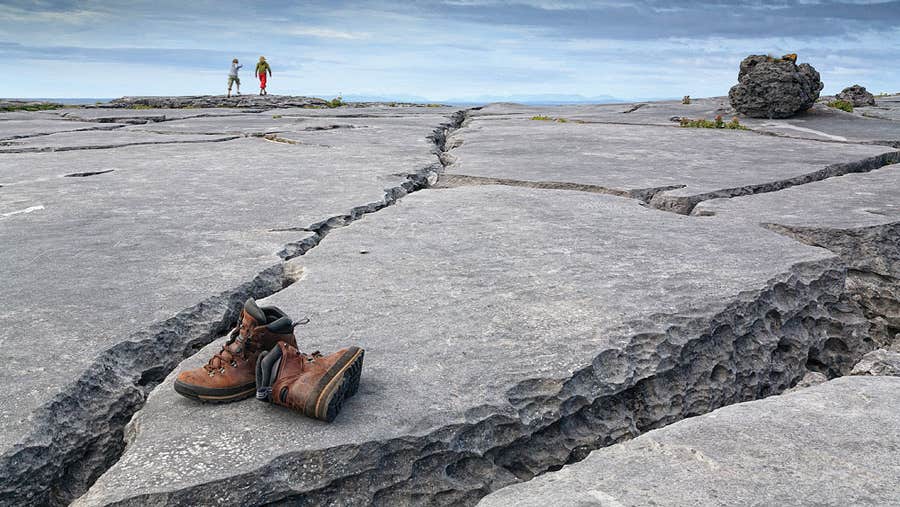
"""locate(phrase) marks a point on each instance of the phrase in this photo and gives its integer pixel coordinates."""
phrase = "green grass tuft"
(718, 123)
(335, 102)
(843, 105)
(541, 118)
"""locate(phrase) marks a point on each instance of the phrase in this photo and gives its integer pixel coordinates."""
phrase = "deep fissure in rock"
(633, 108)
(676, 367)
(80, 433)
(872, 255)
(462, 180)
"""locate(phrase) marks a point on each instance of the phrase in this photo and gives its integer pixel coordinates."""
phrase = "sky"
(443, 50)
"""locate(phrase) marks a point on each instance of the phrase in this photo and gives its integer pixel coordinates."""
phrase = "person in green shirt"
(262, 67)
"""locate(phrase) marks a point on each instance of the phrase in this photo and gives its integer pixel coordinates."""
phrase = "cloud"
(324, 33)
(195, 59)
(444, 48)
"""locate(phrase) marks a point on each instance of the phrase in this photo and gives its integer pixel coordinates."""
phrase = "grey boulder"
(774, 88)
(856, 95)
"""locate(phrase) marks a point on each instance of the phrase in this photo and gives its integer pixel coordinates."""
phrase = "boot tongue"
(254, 311)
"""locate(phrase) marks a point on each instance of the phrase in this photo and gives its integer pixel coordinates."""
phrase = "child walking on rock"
(262, 67)
(233, 76)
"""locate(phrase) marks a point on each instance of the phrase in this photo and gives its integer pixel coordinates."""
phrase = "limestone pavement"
(546, 289)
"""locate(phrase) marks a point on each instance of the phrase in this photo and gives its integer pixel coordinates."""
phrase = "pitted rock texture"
(831, 444)
(856, 95)
(770, 88)
(857, 216)
(496, 350)
(879, 362)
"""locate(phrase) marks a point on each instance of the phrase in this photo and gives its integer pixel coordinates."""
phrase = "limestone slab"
(490, 316)
(825, 123)
(844, 202)
(36, 126)
(820, 123)
(103, 261)
(99, 139)
(857, 216)
(887, 108)
(630, 158)
(640, 113)
(243, 124)
(831, 444)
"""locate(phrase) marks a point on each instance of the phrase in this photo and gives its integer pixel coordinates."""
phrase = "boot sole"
(208, 395)
(339, 383)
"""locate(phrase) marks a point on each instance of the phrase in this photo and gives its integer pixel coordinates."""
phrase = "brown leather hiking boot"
(229, 375)
(313, 384)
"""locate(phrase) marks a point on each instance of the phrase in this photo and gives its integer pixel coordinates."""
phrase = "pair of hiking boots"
(261, 357)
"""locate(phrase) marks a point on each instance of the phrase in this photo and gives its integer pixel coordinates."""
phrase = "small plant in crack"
(276, 116)
(843, 105)
(541, 118)
(718, 123)
(143, 106)
(336, 102)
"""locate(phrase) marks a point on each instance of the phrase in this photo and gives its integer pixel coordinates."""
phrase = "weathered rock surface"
(498, 348)
(820, 123)
(887, 108)
(856, 95)
(832, 444)
(672, 168)
(216, 101)
(878, 362)
(769, 88)
(535, 324)
(150, 116)
(141, 257)
(94, 139)
(856, 216)
(812, 378)
(25, 128)
(239, 101)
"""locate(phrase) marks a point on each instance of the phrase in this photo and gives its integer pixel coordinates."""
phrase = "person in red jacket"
(262, 67)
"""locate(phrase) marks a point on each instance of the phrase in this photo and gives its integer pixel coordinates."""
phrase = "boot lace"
(226, 356)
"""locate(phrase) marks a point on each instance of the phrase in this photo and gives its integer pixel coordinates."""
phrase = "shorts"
(234, 79)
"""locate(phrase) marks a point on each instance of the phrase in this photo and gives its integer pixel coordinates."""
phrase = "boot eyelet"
(212, 373)
(234, 364)
(221, 370)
